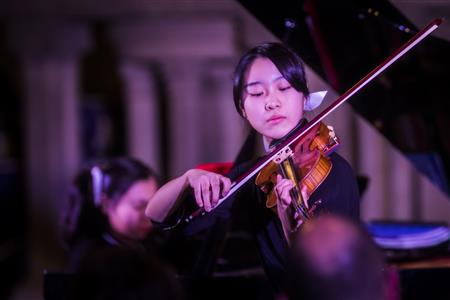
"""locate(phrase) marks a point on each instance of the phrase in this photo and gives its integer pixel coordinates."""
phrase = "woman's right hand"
(208, 187)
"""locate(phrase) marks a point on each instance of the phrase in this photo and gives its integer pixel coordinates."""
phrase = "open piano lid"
(343, 40)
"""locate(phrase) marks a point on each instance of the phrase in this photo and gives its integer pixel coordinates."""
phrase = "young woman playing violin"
(270, 92)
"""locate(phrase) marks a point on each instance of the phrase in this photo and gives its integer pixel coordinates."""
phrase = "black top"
(338, 194)
(89, 246)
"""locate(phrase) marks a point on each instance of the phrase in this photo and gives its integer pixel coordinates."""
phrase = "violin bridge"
(283, 154)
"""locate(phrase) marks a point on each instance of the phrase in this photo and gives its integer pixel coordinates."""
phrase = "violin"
(306, 164)
(301, 134)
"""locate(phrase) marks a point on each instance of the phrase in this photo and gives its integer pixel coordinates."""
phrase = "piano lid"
(343, 40)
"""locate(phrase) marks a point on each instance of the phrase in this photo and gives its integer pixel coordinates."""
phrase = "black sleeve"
(339, 192)
(222, 213)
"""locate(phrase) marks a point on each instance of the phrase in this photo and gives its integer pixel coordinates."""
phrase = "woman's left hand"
(283, 191)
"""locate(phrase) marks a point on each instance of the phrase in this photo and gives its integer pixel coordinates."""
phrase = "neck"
(270, 143)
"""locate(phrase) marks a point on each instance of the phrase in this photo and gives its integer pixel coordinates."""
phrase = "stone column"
(181, 45)
(185, 115)
(229, 129)
(402, 187)
(142, 113)
(371, 157)
(49, 54)
(434, 204)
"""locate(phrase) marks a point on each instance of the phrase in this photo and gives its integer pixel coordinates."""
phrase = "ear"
(305, 105)
(243, 113)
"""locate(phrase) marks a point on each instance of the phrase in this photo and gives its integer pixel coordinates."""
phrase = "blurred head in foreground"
(334, 258)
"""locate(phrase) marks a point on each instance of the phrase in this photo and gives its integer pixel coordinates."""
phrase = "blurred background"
(83, 80)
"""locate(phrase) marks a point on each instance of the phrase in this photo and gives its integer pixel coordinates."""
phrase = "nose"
(272, 102)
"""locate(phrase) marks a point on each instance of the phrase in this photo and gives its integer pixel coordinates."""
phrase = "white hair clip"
(314, 100)
(97, 178)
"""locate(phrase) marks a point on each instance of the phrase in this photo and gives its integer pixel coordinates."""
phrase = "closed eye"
(284, 88)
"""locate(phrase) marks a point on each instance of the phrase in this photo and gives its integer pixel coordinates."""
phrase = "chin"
(277, 135)
(281, 131)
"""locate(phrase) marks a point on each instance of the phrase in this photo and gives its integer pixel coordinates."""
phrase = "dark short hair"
(122, 173)
(286, 60)
(358, 274)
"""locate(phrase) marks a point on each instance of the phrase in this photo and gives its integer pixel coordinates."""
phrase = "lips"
(276, 119)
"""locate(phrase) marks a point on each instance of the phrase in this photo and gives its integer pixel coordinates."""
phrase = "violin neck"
(288, 170)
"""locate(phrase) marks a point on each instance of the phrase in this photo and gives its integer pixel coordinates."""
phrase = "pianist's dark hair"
(286, 60)
(82, 217)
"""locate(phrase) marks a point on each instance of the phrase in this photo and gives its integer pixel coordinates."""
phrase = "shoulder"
(342, 173)
(340, 164)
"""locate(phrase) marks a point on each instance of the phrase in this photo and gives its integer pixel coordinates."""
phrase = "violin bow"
(396, 55)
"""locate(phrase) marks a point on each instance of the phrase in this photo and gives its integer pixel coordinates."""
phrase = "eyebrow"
(259, 82)
(252, 83)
